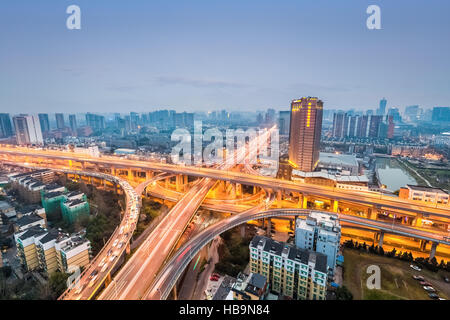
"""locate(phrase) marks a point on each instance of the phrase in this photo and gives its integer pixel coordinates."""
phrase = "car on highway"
(433, 296)
(104, 267)
(91, 283)
(416, 277)
(429, 289)
(415, 267)
(112, 258)
(115, 242)
(102, 262)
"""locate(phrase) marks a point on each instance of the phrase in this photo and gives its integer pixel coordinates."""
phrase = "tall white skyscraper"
(28, 129)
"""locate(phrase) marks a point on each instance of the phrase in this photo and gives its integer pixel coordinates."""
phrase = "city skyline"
(130, 58)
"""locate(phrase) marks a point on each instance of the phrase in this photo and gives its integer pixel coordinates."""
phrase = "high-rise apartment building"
(44, 122)
(441, 114)
(340, 125)
(60, 121)
(73, 123)
(374, 127)
(284, 120)
(291, 271)
(304, 133)
(6, 130)
(28, 130)
(361, 128)
(96, 122)
(321, 233)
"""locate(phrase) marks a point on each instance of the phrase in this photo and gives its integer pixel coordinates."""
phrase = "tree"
(58, 283)
(342, 293)
(6, 270)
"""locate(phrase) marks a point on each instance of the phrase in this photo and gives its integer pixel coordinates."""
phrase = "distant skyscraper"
(73, 123)
(304, 133)
(352, 126)
(28, 130)
(411, 113)
(60, 121)
(395, 113)
(374, 127)
(94, 121)
(441, 114)
(284, 120)
(6, 129)
(382, 109)
(361, 128)
(340, 125)
(44, 122)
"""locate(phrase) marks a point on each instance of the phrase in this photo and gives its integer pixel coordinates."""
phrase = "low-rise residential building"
(50, 250)
(291, 271)
(250, 287)
(27, 221)
(320, 232)
(73, 252)
(425, 194)
(74, 209)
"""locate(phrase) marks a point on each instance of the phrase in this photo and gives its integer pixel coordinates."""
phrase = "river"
(392, 174)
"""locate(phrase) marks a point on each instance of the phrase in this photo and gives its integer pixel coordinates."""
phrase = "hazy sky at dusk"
(142, 55)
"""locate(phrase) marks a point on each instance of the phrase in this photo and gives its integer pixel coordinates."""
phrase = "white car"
(104, 267)
(415, 267)
(115, 242)
(102, 262)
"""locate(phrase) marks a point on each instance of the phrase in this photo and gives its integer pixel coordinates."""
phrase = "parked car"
(416, 277)
(425, 283)
(429, 289)
(415, 267)
(446, 279)
(213, 278)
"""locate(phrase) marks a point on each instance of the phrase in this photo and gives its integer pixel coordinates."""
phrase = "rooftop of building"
(53, 194)
(338, 159)
(426, 189)
(224, 288)
(252, 283)
(32, 232)
(26, 220)
(329, 176)
(74, 203)
(5, 205)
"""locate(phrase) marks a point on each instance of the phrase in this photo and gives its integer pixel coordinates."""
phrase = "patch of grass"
(396, 278)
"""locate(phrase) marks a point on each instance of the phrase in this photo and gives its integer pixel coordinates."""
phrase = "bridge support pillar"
(418, 221)
(255, 189)
(305, 202)
(380, 242)
(178, 182)
(128, 249)
(433, 250)
(269, 227)
(130, 174)
(233, 191)
(291, 223)
(279, 196)
(148, 174)
(239, 190)
(423, 245)
(335, 206)
(166, 183)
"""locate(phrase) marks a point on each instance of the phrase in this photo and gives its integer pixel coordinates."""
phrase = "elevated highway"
(368, 198)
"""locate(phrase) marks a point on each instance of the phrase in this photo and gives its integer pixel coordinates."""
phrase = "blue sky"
(142, 55)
